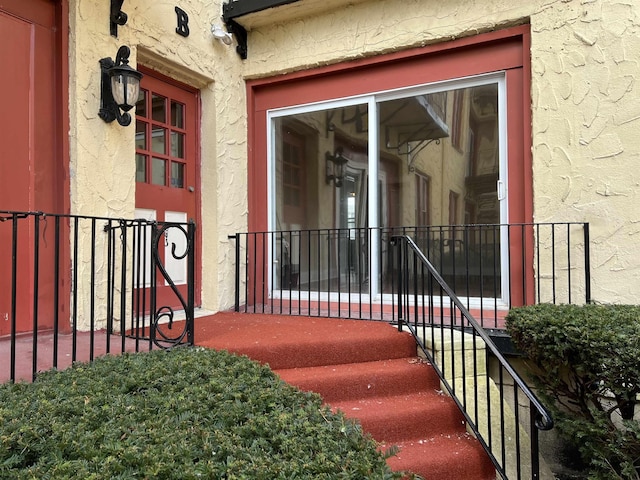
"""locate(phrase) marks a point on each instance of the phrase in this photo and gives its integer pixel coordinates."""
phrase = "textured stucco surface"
(586, 118)
(102, 167)
(585, 101)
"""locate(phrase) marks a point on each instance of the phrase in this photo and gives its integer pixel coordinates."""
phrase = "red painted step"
(287, 342)
(458, 456)
(417, 416)
(364, 380)
(369, 371)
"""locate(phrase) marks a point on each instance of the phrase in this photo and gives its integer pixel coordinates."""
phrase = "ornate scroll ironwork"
(156, 300)
(162, 321)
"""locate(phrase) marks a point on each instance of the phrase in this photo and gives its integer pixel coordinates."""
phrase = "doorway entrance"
(167, 171)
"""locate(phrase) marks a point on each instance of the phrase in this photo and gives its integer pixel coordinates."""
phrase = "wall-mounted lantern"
(335, 167)
(120, 86)
(116, 17)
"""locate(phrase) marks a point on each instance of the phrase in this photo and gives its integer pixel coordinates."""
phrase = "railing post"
(56, 293)
(191, 267)
(587, 265)
(74, 305)
(236, 304)
(36, 284)
(153, 291)
(110, 281)
(398, 245)
(123, 286)
(14, 291)
(535, 454)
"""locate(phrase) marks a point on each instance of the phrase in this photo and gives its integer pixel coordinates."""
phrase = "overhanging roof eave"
(234, 9)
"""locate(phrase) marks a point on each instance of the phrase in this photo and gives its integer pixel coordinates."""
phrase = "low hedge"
(188, 413)
(586, 359)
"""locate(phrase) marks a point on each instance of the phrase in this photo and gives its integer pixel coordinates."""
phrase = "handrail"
(476, 273)
(547, 420)
(540, 416)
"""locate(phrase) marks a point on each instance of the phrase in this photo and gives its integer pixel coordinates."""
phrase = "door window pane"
(141, 135)
(177, 144)
(158, 171)
(177, 175)
(158, 136)
(158, 108)
(141, 168)
(160, 124)
(141, 105)
(177, 114)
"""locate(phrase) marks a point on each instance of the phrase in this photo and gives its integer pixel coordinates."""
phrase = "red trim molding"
(62, 12)
(502, 50)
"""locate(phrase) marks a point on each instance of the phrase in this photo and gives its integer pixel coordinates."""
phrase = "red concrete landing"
(285, 341)
(48, 356)
(369, 371)
(366, 369)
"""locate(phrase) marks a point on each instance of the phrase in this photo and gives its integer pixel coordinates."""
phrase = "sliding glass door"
(428, 161)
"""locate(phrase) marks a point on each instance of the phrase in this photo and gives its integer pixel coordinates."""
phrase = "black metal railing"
(494, 399)
(450, 286)
(75, 287)
(350, 273)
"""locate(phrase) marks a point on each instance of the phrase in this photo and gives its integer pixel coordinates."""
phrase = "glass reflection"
(437, 173)
(158, 171)
(177, 114)
(177, 145)
(158, 141)
(141, 168)
(158, 108)
(177, 175)
(141, 105)
(141, 135)
(441, 178)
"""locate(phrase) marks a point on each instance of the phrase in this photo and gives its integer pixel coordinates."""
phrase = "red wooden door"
(167, 175)
(30, 173)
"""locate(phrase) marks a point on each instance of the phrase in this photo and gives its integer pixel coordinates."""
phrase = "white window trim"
(372, 100)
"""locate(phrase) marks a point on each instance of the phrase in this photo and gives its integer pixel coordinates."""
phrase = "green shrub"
(587, 361)
(188, 413)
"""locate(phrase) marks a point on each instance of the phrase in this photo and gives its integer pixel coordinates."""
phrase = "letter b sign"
(183, 22)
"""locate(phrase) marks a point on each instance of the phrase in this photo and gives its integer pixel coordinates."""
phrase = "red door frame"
(504, 50)
(194, 124)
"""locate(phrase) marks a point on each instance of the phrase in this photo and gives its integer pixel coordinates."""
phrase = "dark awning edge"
(234, 9)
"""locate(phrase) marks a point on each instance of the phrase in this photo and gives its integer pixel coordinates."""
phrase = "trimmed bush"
(184, 414)
(586, 359)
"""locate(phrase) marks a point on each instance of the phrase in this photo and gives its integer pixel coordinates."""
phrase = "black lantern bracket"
(335, 167)
(116, 17)
(232, 10)
(109, 108)
(240, 34)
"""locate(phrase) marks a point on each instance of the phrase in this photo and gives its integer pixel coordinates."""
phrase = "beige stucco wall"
(585, 106)
(102, 167)
(585, 60)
